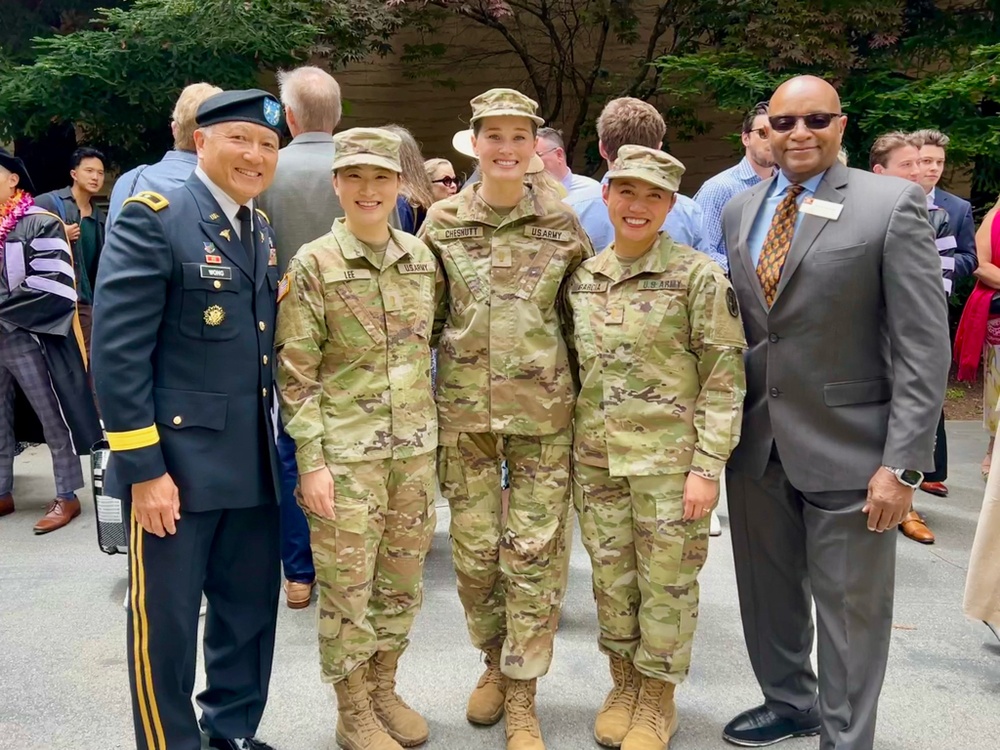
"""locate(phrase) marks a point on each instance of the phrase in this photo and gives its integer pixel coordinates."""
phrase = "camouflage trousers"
(370, 559)
(645, 562)
(510, 570)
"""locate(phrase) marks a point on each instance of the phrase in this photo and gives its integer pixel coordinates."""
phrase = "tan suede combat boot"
(615, 716)
(357, 726)
(486, 702)
(402, 723)
(655, 719)
(523, 731)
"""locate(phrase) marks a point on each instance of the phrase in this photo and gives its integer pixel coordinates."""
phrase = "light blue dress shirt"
(683, 223)
(713, 196)
(168, 173)
(761, 225)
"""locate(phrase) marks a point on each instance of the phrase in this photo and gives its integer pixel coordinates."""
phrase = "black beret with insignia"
(252, 105)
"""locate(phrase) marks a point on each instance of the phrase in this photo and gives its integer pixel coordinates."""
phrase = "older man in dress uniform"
(183, 358)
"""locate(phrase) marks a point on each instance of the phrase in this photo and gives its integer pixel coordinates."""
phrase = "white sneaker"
(714, 525)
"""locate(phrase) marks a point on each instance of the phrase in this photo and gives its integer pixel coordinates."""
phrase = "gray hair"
(313, 95)
(552, 136)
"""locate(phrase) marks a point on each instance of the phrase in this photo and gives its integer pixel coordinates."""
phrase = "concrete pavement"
(63, 670)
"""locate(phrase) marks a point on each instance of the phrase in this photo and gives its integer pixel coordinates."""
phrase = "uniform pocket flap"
(181, 409)
(851, 392)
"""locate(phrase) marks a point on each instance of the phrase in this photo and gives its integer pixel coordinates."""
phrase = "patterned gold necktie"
(777, 243)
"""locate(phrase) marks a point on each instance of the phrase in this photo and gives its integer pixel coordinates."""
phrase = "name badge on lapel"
(822, 209)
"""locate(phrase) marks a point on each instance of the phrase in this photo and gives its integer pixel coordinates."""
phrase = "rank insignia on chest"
(227, 234)
(214, 315)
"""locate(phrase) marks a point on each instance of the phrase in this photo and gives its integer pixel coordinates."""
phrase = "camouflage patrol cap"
(370, 146)
(649, 165)
(501, 102)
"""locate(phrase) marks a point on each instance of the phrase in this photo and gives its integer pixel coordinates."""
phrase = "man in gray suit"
(302, 206)
(837, 277)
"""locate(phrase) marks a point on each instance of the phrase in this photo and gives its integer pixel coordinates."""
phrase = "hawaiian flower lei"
(12, 211)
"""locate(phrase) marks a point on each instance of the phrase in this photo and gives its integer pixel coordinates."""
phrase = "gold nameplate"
(596, 286)
(348, 274)
(541, 233)
(214, 315)
(462, 233)
(415, 267)
(655, 285)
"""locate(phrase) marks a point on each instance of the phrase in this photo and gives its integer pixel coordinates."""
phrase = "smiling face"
(932, 160)
(89, 174)
(239, 157)
(637, 210)
(368, 195)
(800, 152)
(504, 147)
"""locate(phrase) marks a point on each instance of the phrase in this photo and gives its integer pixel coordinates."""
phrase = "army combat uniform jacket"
(354, 355)
(659, 343)
(502, 363)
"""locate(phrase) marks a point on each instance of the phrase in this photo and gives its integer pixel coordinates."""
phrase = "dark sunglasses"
(814, 121)
(448, 181)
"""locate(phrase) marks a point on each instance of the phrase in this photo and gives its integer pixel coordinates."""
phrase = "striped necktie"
(777, 243)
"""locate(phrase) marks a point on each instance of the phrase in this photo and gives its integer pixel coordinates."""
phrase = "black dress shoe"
(248, 743)
(760, 726)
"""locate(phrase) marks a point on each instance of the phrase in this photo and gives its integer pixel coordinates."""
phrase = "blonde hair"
(415, 184)
(313, 95)
(886, 143)
(431, 166)
(185, 110)
(545, 184)
(629, 121)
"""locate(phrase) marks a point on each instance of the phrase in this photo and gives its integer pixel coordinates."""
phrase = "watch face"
(911, 477)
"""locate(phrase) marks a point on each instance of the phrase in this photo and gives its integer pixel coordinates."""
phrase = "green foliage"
(117, 80)
(898, 66)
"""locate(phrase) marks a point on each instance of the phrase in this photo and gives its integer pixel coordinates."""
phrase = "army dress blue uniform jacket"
(183, 350)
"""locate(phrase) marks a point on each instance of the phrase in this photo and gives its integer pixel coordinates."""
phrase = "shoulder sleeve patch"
(155, 201)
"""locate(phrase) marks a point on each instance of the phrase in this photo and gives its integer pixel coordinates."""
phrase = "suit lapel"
(809, 230)
(216, 228)
(750, 210)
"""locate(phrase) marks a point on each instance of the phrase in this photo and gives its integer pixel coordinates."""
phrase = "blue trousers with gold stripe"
(231, 555)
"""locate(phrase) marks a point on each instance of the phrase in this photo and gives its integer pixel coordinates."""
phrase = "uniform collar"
(656, 260)
(228, 205)
(474, 208)
(781, 183)
(352, 248)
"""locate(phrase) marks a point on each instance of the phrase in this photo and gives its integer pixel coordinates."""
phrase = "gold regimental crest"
(214, 315)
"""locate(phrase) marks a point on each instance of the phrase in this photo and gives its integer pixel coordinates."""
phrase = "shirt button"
(262, 325)
(775, 393)
(177, 419)
(264, 392)
(773, 338)
(218, 285)
(265, 359)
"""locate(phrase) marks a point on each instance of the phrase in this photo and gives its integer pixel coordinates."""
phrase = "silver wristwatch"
(909, 477)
